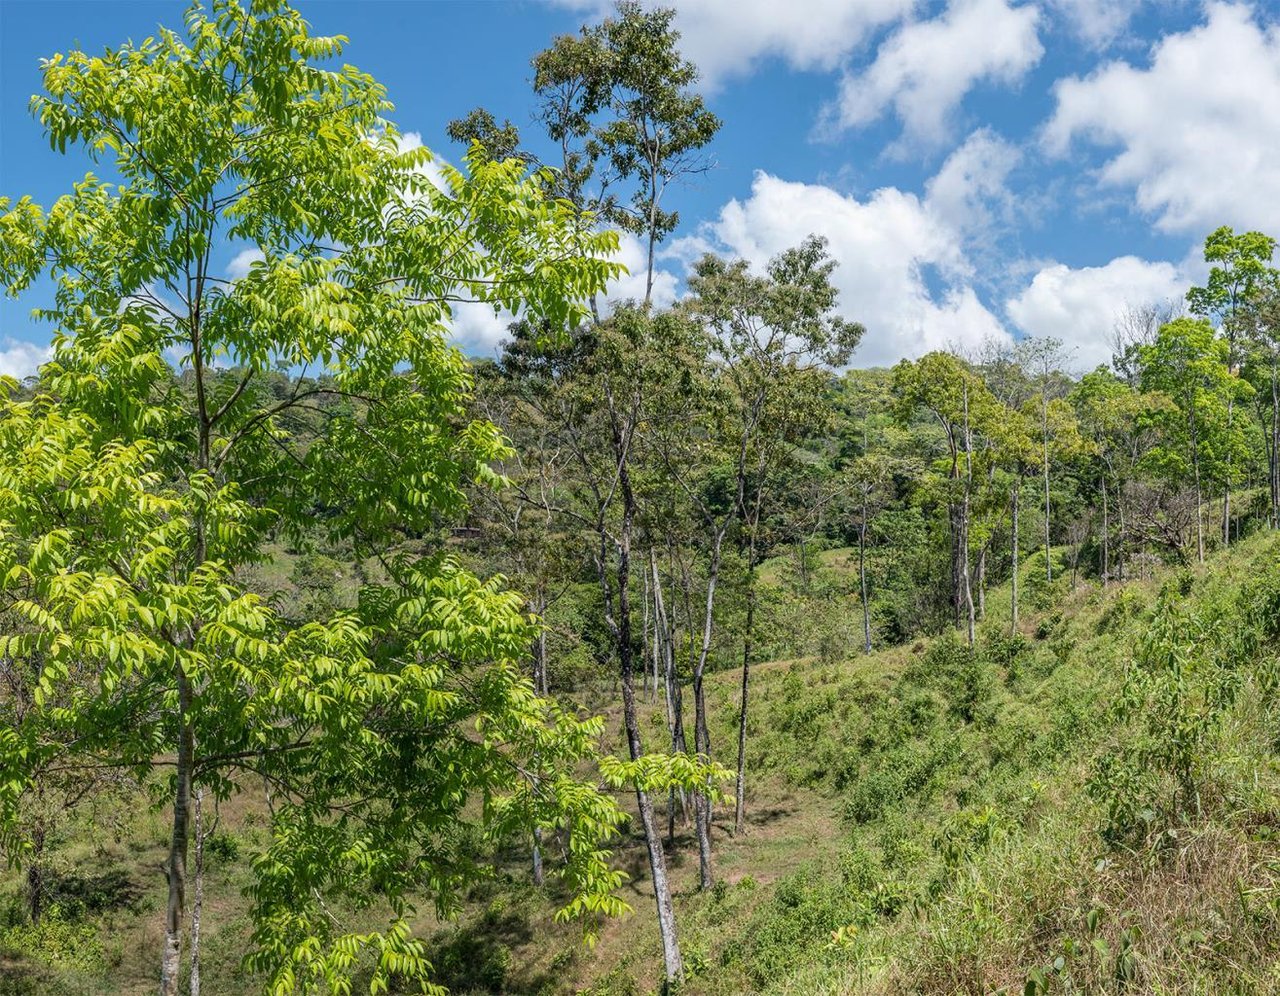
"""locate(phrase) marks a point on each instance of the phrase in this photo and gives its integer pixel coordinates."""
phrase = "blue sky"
(982, 168)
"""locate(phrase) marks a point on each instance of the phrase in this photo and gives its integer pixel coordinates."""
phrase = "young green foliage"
(131, 500)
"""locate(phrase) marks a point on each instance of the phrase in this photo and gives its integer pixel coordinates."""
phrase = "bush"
(966, 679)
(1175, 695)
(802, 915)
(57, 941)
(1008, 653)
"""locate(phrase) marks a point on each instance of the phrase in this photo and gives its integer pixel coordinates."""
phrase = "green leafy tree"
(618, 97)
(950, 390)
(767, 335)
(1111, 415)
(132, 501)
(1239, 272)
(1188, 364)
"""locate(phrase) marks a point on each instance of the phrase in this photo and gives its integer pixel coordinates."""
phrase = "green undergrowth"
(1089, 805)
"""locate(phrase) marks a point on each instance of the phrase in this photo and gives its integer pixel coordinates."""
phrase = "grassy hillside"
(1092, 805)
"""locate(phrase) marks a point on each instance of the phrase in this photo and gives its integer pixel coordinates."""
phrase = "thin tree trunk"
(1106, 534)
(620, 629)
(701, 732)
(197, 905)
(1275, 445)
(748, 646)
(982, 580)
(674, 697)
(644, 632)
(1226, 488)
(968, 485)
(672, 960)
(176, 865)
(862, 581)
(1122, 537)
(1195, 463)
(35, 870)
(1013, 539)
(1048, 547)
(540, 682)
(537, 856)
(740, 785)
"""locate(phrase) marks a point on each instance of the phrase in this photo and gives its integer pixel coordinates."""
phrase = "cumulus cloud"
(22, 359)
(238, 268)
(1097, 23)
(730, 38)
(1080, 306)
(1195, 131)
(970, 192)
(891, 247)
(923, 70)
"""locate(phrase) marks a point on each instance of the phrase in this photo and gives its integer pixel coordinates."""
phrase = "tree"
(1232, 284)
(132, 500)
(1112, 416)
(871, 480)
(949, 389)
(618, 97)
(1044, 357)
(1262, 367)
(767, 334)
(1188, 364)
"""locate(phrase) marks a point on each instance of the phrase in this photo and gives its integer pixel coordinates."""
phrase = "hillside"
(923, 819)
(930, 820)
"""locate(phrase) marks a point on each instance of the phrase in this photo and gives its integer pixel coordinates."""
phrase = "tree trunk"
(982, 580)
(537, 856)
(672, 961)
(176, 865)
(540, 683)
(964, 518)
(1106, 534)
(862, 581)
(644, 632)
(1226, 488)
(1275, 445)
(701, 732)
(955, 515)
(1048, 548)
(1195, 463)
(674, 697)
(35, 872)
(1013, 540)
(620, 630)
(197, 905)
(740, 784)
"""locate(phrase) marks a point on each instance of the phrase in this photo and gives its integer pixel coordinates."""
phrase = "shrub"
(57, 941)
(1175, 695)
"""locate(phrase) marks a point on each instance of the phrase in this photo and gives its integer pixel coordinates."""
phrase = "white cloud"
(477, 328)
(884, 245)
(630, 286)
(1096, 22)
(970, 191)
(1196, 130)
(22, 359)
(923, 70)
(729, 38)
(1080, 306)
(238, 268)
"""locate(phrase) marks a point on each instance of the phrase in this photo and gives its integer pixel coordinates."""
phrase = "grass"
(919, 821)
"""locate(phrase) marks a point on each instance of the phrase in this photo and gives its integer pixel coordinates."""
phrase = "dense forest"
(665, 650)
